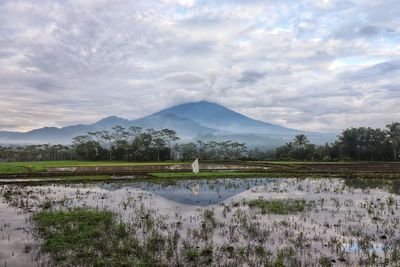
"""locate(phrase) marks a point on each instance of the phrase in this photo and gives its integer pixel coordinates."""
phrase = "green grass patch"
(84, 237)
(278, 206)
(205, 174)
(12, 168)
(40, 166)
(67, 180)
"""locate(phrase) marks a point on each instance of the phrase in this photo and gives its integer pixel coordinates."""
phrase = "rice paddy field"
(214, 221)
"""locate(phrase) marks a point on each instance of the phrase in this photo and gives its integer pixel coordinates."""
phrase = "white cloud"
(314, 65)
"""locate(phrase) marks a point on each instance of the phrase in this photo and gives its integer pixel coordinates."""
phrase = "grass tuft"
(278, 206)
(84, 237)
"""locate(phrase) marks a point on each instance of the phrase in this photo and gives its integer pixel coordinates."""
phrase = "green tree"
(188, 151)
(300, 141)
(170, 138)
(393, 134)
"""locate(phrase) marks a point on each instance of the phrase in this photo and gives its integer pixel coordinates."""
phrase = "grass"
(68, 180)
(40, 166)
(205, 174)
(278, 206)
(12, 168)
(84, 237)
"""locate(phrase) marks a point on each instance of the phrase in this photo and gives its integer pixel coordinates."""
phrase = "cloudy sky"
(314, 65)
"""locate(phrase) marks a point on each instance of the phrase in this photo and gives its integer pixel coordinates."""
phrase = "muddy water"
(346, 222)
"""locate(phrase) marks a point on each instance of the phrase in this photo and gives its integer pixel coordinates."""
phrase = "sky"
(312, 65)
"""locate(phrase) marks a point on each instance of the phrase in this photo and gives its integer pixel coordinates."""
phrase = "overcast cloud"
(312, 65)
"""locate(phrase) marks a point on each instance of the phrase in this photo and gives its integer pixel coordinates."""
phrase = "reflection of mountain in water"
(196, 192)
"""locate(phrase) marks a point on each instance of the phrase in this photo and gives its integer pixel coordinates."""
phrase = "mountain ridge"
(189, 120)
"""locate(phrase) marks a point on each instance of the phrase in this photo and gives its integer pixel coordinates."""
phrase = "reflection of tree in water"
(196, 189)
(392, 186)
(395, 187)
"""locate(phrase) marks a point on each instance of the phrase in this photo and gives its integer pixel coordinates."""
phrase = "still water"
(347, 221)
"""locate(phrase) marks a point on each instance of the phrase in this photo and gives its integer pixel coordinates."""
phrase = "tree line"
(132, 144)
(357, 144)
(126, 144)
(226, 150)
(136, 144)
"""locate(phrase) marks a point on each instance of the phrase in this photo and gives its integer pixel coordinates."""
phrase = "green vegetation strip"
(12, 168)
(59, 178)
(206, 174)
(278, 206)
(40, 166)
(84, 237)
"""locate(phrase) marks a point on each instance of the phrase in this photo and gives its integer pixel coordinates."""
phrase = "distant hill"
(192, 121)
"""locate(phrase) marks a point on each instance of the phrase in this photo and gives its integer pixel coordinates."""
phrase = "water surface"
(346, 221)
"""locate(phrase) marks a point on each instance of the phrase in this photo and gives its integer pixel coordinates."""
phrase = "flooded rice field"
(224, 222)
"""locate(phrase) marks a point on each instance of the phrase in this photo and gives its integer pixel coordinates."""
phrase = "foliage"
(226, 150)
(126, 144)
(393, 134)
(134, 144)
(84, 237)
(278, 206)
(365, 144)
(40, 166)
(123, 144)
(325, 261)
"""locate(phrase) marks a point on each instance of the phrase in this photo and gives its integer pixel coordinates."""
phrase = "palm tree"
(393, 133)
(300, 140)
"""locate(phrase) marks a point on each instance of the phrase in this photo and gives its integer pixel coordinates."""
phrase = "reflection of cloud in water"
(342, 220)
(355, 247)
(196, 192)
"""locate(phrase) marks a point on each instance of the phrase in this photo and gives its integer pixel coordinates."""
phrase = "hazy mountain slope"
(251, 140)
(218, 117)
(184, 127)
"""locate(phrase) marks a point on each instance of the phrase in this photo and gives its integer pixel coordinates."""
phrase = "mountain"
(192, 121)
(186, 128)
(223, 119)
